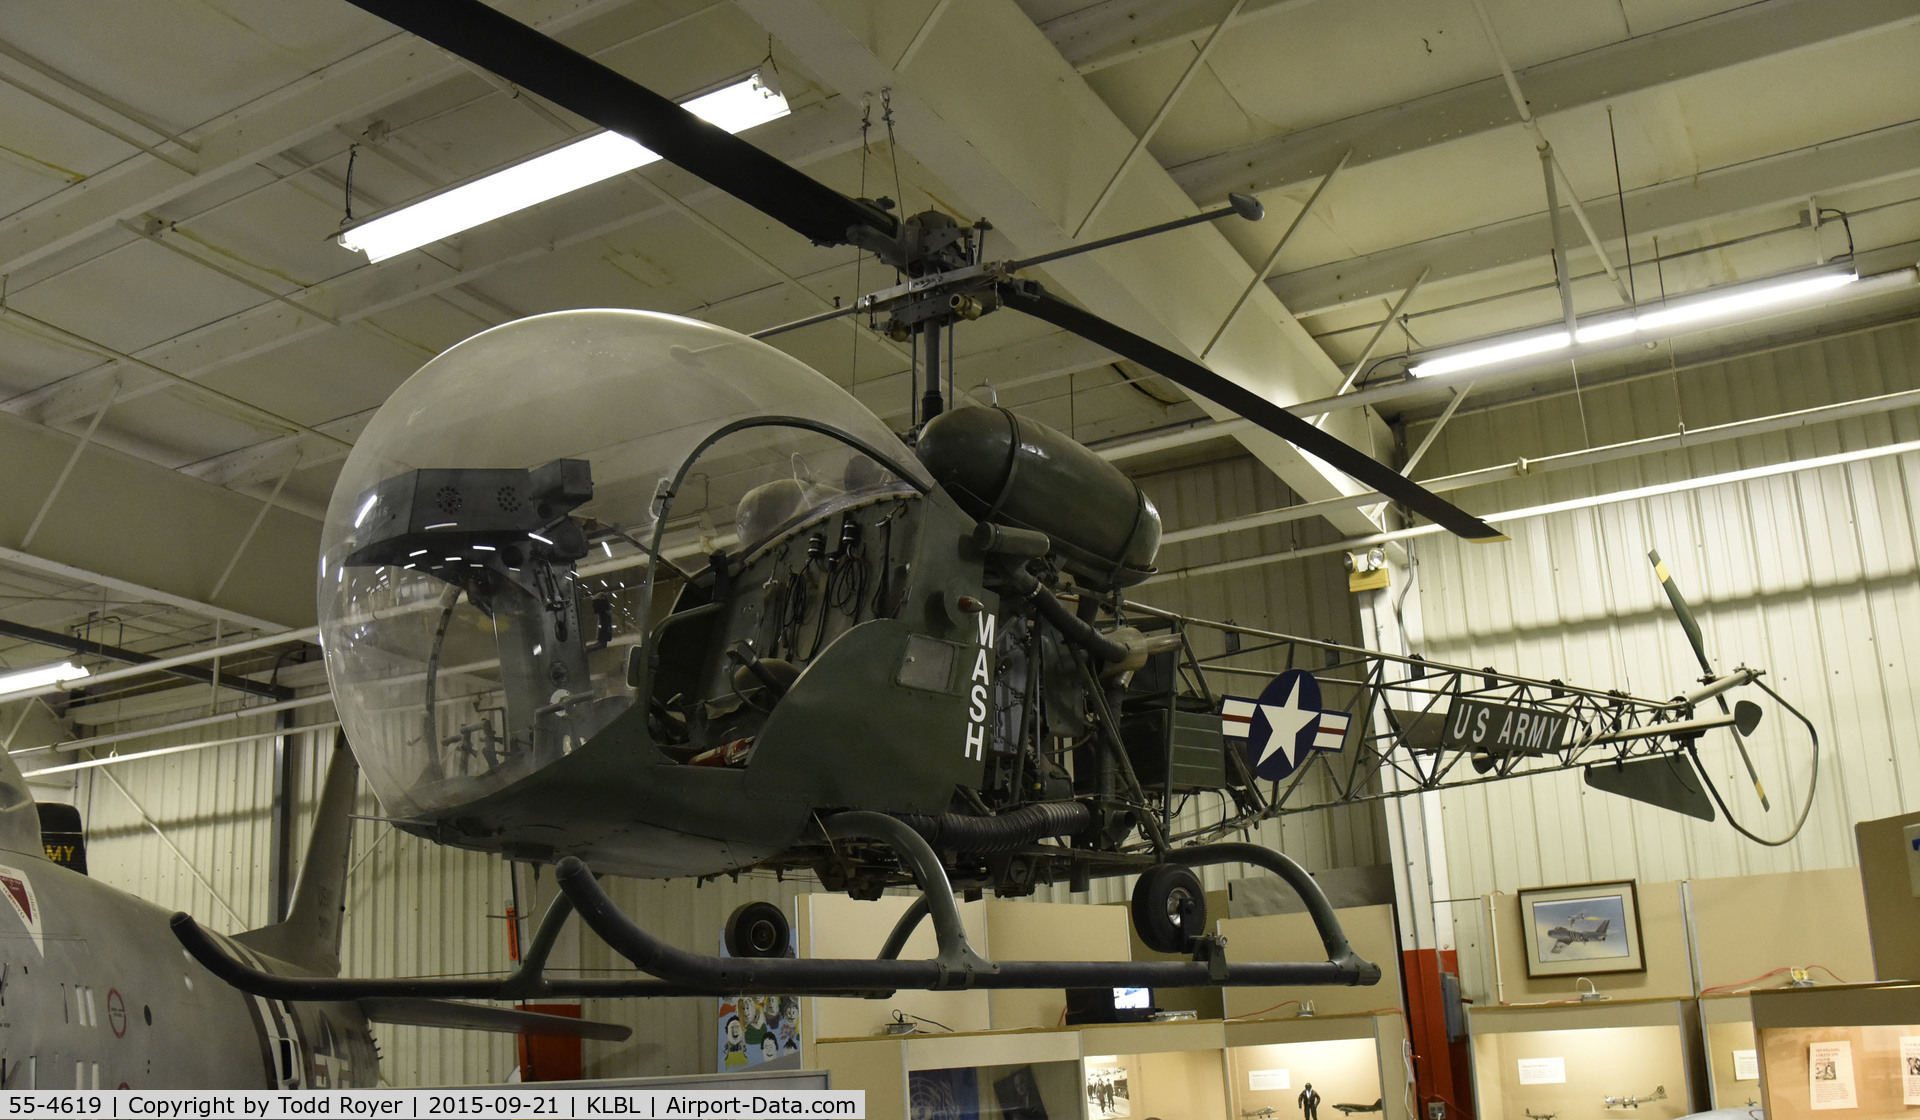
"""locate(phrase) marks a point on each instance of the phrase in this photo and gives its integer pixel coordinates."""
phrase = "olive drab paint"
(980, 683)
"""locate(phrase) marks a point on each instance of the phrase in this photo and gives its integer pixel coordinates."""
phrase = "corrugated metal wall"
(1814, 576)
(413, 908)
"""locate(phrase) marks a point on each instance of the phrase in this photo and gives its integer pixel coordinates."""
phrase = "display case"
(1015, 1075)
(1353, 1063)
(1733, 1058)
(1853, 1047)
(1168, 1071)
(1609, 1058)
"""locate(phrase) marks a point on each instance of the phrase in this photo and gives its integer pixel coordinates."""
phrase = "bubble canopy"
(489, 554)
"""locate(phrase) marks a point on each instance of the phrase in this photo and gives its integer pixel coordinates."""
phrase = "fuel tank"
(1012, 471)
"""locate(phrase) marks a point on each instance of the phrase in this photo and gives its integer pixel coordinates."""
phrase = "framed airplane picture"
(1582, 929)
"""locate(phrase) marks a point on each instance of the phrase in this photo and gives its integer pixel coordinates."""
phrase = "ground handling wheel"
(1169, 908)
(758, 929)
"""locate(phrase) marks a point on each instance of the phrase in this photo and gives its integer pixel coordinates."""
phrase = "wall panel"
(1813, 576)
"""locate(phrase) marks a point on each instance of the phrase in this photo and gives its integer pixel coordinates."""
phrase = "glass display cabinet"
(1852, 1049)
(1733, 1058)
(1352, 1063)
(1614, 1058)
(1166, 1071)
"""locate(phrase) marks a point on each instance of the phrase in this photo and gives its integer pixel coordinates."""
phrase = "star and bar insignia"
(1283, 724)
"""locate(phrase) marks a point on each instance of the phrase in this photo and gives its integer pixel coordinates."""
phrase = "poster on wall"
(755, 1029)
(1107, 1093)
(1577, 930)
(1830, 1075)
(1910, 1070)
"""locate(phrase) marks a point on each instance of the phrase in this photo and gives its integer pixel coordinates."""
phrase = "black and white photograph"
(1107, 1096)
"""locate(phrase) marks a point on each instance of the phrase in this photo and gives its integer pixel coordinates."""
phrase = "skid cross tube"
(1339, 951)
(954, 956)
(1334, 938)
(903, 929)
(676, 972)
(791, 976)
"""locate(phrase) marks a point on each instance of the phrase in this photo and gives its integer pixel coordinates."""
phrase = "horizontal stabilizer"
(1669, 782)
(415, 1012)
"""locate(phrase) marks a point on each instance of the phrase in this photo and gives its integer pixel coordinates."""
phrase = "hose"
(1070, 625)
(1011, 830)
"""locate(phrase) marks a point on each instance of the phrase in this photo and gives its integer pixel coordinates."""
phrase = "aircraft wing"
(416, 1012)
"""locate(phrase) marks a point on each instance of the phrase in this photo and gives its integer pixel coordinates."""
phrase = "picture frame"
(1582, 929)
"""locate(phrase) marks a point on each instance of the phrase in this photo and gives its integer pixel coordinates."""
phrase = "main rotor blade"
(1041, 304)
(613, 101)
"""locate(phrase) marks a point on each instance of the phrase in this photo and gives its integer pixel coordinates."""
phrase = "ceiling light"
(1713, 306)
(567, 168)
(1523, 347)
(26, 680)
(1739, 302)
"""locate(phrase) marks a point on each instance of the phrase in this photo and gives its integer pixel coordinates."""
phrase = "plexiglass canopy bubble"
(485, 567)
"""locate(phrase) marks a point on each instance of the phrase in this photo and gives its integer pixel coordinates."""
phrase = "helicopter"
(640, 595)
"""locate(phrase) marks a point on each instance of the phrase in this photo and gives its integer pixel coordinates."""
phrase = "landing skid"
(676, 972)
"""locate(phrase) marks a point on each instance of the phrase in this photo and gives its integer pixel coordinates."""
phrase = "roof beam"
(144, 530)
(1115, 31)
(132, 592)
(1788, 179)
(72, 644)
(1658, 58)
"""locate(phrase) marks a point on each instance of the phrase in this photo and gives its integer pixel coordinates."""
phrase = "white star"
(1284, 723)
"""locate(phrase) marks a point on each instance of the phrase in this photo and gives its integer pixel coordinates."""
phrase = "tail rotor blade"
(1681, 609)
(1749, 712)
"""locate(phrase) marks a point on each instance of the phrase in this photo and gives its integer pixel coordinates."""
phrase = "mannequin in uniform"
(1309, 1102)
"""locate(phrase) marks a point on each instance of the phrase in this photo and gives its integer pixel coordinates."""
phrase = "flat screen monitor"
(1132, 998)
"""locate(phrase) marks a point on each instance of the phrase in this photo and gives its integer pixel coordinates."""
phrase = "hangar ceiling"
(186, 355)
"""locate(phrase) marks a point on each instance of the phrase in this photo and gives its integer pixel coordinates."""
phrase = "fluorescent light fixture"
(1736, 303)
(26, 680)
(1731, 304)
(1522, 347)
(735, 108)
